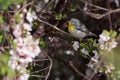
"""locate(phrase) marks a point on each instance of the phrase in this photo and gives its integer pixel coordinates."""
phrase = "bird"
(77, 29)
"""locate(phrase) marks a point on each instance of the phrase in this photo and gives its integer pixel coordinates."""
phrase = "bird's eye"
(72, 22)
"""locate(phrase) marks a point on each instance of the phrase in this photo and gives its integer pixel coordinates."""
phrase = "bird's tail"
(92, 34)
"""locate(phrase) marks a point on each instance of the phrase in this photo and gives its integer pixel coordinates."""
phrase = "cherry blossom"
(84, 51)
(27, 26)
(106, 42)
(76, 45)
(24, 48)
(24, 76)
(31, 16)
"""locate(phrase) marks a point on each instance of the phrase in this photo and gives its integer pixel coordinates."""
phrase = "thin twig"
(94, 5)
(39, 70)
(20, 8)
(50, 67)
(99, 16)
(36, 60)
(39, 76)
(4, 47)
(53, 26)
(48, 4)
(94, 15)
(25, 6)
(110, 21)
(76, 70)
(42, 10)
(109, 16)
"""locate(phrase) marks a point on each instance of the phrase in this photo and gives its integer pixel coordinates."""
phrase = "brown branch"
(50, 67)
(109, 16)
(108, 13)
(99, 16)
(94, 5)
(23, 7)
(39, 70)
(53, 26)
(110, 21)
(4, 47)
(36, 60)
(76, 70)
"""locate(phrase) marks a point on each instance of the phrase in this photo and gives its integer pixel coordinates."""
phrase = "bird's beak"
(69, 23)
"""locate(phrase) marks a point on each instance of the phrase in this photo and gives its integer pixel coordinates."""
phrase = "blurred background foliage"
(4, 4)
(55, 43)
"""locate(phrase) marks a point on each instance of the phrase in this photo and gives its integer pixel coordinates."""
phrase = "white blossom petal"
(113, 44)
(76, 45)
(68, 52)
(106, 43)
(31, 16)
(12, 52)
(13, 62)
(17, 32)
(27, 26)
(26, 48)
(24, 76)
(104, 37)
(34, 15)
(84, 51)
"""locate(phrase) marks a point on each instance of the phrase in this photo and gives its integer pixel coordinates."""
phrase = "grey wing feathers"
(82, 28)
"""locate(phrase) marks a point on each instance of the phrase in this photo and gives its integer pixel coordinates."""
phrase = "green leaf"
(58, 16)
(2, 71)
(42, 43)
(73, 8)
(106, 32)
(10, 72)
(64, 15)
(18, 1)
(17, 17)
(1, 36)
(4, 63)
(1, 31)
(4, 57)
(35, 25)
(1, 19)
(5, 4)
(90, 41)
(102, 69)
(83, 55)
(113, 34)
(82, 45)
(13, 44)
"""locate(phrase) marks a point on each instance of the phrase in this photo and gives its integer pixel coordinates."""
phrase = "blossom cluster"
(94, 60)
(24, 48)
(106, 42)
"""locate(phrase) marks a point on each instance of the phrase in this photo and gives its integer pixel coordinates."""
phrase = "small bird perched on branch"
(77, 29)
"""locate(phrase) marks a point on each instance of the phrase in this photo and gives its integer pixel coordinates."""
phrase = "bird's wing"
(82, 28)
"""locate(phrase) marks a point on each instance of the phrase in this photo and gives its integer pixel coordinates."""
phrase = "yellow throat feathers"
(70, 26)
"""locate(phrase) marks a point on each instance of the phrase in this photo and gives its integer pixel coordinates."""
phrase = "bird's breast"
(78, 34)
